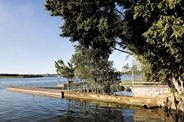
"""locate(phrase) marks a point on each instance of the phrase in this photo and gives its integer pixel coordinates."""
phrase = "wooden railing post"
(62, 94)
(132, 77)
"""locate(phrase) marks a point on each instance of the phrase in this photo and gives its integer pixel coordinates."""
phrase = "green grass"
(51, 88)
(126, 83)
(130, 82)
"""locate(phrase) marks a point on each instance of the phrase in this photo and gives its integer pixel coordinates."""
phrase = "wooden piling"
(150, 105)
(62, 94)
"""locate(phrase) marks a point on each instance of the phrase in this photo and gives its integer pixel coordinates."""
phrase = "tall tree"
(164, 40)
(164, 37)
(152, 29)
(82, 61)
(91, 66)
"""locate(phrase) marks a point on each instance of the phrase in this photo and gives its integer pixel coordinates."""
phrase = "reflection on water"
(101, 111)
(92, 112)
(19, 107)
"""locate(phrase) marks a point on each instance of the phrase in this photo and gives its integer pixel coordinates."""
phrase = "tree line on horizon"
(27, 75)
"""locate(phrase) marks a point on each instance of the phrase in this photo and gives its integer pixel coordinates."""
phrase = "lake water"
(19, 107)
(130, 77)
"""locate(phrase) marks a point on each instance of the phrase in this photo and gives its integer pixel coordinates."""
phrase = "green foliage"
(65, 71)
(92, 67)
(152, 29)
(83, 61)
(95, 24)
(163, 56)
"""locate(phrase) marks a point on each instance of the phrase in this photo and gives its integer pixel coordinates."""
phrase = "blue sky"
(30, 41)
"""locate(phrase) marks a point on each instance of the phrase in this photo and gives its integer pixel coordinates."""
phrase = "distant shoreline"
(26, 75)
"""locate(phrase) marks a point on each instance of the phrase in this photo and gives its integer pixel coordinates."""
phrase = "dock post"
(62, 94)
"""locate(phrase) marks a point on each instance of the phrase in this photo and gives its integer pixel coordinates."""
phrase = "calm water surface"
(19, 107)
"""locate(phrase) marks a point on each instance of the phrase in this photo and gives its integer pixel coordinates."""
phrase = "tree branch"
(122, 51)
(120, 12)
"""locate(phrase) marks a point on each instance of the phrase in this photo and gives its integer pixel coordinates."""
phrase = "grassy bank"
(130, 82)
(126, 83)
(58, 88)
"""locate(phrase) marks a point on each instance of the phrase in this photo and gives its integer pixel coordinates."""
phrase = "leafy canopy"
(90, 65)
(152, 29)
(64, 70)
(95, 24)
(164, 54)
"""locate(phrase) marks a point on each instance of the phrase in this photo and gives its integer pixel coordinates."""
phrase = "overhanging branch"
(122, 51)
(120, 12)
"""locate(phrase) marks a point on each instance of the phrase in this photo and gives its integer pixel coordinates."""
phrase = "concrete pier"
(36, 91)
(137, 101)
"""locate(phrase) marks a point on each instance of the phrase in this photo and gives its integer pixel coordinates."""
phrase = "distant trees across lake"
(26, 75)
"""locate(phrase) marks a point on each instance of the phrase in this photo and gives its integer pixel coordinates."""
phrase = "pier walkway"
(137, 101)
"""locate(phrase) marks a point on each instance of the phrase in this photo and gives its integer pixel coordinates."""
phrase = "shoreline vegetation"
(26, 75)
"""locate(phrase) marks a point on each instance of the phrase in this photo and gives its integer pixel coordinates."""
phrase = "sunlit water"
(19, 107)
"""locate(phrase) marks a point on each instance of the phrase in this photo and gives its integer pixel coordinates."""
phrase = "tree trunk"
(179, 86)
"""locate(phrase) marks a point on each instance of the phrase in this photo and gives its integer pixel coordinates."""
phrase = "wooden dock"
(137, 101)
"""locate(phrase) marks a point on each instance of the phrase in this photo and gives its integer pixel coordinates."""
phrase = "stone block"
(154, 91)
